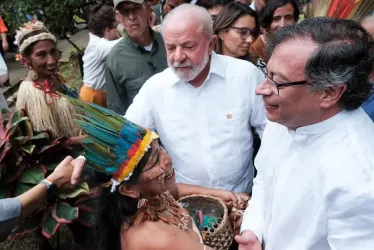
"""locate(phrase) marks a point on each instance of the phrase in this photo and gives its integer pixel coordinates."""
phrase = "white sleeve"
(253, 216)
(140, 111)
(104, 47)
(350, 216)
(258, 118)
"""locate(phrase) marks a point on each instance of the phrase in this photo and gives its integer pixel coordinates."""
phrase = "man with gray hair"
(315, 184)
(203, 105)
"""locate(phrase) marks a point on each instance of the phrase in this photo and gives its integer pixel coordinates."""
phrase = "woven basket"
(222, 237)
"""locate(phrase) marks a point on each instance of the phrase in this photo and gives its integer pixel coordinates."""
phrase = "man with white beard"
(203, 105)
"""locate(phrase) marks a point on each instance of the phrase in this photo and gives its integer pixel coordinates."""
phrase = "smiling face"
(233, 42)
(43, 58)
(295, 106)
(283, 16)
(158, 174)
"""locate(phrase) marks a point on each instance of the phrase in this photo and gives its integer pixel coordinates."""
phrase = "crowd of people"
(178, 98)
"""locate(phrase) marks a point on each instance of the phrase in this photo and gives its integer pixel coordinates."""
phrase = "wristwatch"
(51, 189)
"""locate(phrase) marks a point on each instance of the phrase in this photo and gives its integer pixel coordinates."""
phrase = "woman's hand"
(238, 200)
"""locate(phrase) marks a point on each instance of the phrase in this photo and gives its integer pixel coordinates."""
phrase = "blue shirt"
(368, 106)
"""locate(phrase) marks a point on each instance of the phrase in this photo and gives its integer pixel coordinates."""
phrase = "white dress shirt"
(315, 186)
(94, 61)
(206, 130)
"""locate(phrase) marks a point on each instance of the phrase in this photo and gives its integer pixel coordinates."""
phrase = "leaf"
(79, 189)
(32, 176)
(21, 188)
(19, 140)
(4, 193)
(87, 218)
(39, 136)
(64, 213)
(27, 226)
(50, 167)
(49, 225)
(29, 148)
(13, 173)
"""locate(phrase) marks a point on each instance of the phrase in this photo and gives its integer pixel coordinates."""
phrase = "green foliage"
(61, 16)
(26, 158)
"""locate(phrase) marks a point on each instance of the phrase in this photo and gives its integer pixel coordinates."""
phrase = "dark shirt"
(368, 106)
(128, 67)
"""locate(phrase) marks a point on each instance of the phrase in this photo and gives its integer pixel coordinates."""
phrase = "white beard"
(187, 76)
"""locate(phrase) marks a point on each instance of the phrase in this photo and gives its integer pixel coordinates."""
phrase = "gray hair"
(345, 56)
(189, 12)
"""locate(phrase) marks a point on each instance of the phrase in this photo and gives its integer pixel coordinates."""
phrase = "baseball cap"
(116, 2)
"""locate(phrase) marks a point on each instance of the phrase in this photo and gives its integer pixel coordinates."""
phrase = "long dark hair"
(228, 16)
(266, 15)
(115, 208)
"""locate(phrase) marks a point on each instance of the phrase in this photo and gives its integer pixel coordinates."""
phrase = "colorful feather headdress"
(114, 145)
(344, 9)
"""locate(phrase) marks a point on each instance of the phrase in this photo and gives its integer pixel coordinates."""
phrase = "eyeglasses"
(274, 86)
(244, 32)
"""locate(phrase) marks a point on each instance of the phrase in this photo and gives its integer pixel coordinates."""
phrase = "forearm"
(32, 199)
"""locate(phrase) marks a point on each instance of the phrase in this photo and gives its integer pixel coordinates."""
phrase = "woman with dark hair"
(39, 93)
(237, 27)
(138, 203)
(214, 7)
(276, 15)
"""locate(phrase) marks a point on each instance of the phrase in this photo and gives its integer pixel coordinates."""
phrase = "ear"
(118, 16)
(222, 35)
(212, 43)
(148, 7)
(128, 190)
(106, 31)
(332, 95)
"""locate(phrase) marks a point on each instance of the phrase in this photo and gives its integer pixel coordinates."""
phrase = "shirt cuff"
(10, 211)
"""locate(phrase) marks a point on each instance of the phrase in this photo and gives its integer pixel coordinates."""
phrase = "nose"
(264, 88)
(249, 39)
(179, 55)
(51, 59)
(282, 23)
(131, 15)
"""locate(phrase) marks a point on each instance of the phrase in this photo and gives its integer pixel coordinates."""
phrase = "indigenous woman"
(139, 207)
(237, 27)
(38, 94)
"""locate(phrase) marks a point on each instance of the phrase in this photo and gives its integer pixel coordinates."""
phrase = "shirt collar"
(216, 67)
(134, 45)
(326, 125)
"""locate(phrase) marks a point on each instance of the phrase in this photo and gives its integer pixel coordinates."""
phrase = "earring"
(33, 75)
(142, 203)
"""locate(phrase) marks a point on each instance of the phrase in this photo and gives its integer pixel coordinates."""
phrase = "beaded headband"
(29, 27)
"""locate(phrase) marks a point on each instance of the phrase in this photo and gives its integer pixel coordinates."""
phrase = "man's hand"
(67, 173)
(248, 241)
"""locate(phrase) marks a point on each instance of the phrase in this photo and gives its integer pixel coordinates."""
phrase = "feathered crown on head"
(27, 28)
(344, 9)
(114, 145)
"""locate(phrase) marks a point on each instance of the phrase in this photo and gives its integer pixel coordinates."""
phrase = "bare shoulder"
(157, 236)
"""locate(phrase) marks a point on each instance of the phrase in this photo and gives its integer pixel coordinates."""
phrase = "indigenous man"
(314, 188)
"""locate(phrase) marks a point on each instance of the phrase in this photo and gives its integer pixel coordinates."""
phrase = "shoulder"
(150, 235)
(160, 81)
(117, 49)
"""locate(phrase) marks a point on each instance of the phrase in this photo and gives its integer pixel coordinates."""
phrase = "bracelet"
(47, 182)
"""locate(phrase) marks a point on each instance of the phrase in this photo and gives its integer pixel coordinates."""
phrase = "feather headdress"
(344, 9)
(114, 145)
